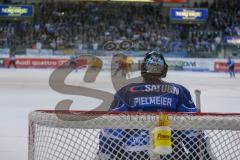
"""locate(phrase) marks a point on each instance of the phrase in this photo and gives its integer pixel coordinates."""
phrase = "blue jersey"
(230, 63)
(144, 97)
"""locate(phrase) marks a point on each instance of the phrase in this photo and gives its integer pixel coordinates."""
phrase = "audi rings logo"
(124, 45)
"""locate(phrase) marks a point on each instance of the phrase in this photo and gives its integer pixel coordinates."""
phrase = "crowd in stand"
(226, 16)
(87, 26)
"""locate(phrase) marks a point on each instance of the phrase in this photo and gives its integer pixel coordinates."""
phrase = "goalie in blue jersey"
(152, 95)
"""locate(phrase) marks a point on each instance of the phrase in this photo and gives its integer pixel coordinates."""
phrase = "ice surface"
(25, 90)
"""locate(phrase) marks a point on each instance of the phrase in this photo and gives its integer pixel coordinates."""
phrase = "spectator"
(90, 25)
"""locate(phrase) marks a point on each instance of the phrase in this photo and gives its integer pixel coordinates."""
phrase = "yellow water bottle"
(162, 143)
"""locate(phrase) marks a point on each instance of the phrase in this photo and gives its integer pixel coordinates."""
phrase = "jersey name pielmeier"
(163, 88)
(156, 100)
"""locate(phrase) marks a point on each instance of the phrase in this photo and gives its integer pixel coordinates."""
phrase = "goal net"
(79, 135)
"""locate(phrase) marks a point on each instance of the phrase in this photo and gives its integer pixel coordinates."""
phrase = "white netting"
(97, 136)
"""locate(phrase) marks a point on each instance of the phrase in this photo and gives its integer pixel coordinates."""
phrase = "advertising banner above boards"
(16, 11)
(220, 66)
(188, 15)
(228, 40)
(41, 62)
(186, 64)
(190, 64)
(181, 64)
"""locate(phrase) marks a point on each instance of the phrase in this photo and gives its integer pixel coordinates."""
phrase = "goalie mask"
(154, 64)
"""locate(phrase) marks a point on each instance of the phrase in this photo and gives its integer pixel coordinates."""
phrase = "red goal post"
(75, 135)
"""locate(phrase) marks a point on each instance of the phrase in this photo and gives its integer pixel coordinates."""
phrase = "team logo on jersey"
(140, 88)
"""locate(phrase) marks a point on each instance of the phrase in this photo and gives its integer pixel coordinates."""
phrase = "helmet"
(154, 64)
